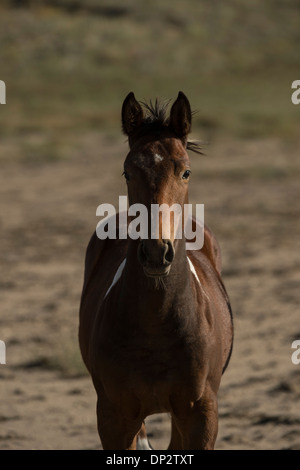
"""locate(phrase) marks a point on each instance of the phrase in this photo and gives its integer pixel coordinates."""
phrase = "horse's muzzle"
(156, 257)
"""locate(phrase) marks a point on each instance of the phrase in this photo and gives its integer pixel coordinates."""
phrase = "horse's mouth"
(157, 272)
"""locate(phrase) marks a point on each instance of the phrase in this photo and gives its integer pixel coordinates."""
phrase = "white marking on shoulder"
(158, 158)
(192, 268)
(116, 276)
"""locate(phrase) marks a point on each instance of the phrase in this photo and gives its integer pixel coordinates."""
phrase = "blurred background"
(69, 63)
(68, 66)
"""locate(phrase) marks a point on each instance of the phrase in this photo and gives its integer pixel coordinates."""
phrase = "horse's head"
(157, 170)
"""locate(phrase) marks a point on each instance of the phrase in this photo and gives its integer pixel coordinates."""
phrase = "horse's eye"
(126, 175)
(186, 174)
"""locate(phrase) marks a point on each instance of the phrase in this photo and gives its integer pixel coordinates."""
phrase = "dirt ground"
(251, 194)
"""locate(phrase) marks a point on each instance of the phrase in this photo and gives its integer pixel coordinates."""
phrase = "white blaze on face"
(168, 218)
(157, 158)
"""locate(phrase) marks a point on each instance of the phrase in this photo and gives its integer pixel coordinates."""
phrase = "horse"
(155, 323)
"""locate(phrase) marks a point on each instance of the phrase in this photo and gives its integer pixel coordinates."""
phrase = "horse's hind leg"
(115, 432)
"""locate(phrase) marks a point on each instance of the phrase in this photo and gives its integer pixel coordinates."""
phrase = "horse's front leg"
(199, 428)
(115, 432)
(176, 439)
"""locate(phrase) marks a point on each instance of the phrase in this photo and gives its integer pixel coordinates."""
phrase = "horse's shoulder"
(210, 249)
(102, 254)
(94, 249)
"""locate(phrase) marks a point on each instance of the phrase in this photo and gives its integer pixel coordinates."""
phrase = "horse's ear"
(132, 114)
(181, 117)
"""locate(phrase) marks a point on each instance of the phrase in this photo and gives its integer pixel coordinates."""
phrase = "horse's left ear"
(181, 117)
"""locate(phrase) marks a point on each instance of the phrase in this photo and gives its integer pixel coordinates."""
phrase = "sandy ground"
(251, 194)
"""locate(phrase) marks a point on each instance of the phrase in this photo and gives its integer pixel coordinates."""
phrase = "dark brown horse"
(156, 327)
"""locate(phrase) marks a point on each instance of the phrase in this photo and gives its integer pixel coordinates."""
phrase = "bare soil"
(251, 194)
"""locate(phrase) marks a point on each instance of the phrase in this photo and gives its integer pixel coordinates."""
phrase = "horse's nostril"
(155, 253)
(169, 251)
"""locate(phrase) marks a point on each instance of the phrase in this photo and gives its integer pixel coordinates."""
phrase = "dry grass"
(68, 65)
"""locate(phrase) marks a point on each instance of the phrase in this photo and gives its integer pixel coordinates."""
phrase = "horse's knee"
(198, 430)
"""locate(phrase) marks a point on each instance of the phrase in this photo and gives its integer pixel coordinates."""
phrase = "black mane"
(156, 118)
(156, 113)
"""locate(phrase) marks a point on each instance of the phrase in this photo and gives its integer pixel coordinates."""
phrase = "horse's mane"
(156, 118)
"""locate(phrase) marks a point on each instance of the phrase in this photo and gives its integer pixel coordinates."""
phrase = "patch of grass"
(68, 66)
(64, 358)
(258, 172)
(67, 360)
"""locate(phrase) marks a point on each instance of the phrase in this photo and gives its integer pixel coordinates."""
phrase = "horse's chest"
(153, 376)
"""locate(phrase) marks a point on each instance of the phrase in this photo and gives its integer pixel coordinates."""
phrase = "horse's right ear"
(132, 114)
